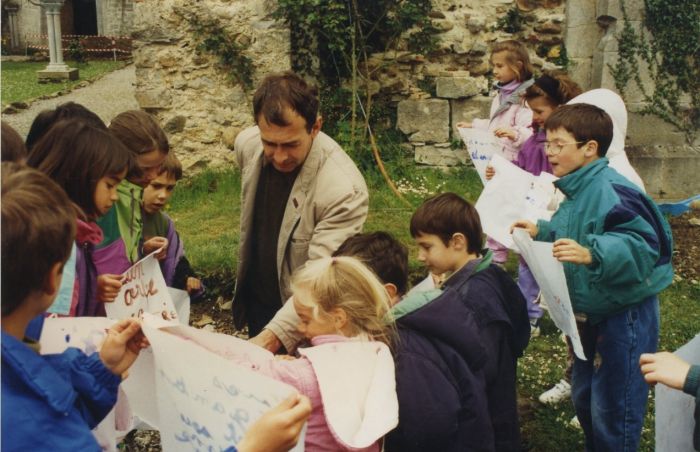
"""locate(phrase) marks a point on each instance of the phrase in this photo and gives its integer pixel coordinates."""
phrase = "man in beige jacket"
(301, 197)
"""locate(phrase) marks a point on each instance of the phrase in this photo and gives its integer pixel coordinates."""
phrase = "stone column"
(12, 9)
(56, 68)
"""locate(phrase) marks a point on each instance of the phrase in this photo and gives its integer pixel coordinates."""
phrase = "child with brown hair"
(177, 271)
(122, 226)
(456, 357)
(13, 148)
(510, 117)
(88, 163)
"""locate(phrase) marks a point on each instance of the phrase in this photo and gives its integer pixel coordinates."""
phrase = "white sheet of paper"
(481, 145)
(144, 290)
(674, 409)
(85, 333)
(513, 194)
(181, 301)
(549, 274)
(204, 400)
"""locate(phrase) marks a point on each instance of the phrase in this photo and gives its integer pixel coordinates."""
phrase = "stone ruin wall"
(203, 112)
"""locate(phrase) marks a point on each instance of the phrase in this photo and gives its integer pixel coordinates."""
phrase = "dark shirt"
(261, 285)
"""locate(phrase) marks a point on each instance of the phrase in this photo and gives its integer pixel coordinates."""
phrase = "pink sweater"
(517, 116)
(300, 373)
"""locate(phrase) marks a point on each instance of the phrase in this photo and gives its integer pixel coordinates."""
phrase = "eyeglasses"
(554, 148)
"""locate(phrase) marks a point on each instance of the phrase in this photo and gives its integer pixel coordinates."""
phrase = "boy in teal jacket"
(616, 248)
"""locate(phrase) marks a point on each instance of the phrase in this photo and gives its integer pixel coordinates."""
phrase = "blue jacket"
(629, 239)
(51, 402)
(456, 361)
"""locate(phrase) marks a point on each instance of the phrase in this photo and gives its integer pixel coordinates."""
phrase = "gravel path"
(107, 97)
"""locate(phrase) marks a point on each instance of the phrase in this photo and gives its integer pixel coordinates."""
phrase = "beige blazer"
(328, 203)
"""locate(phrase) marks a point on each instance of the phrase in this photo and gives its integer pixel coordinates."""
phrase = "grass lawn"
(19, 79)
(206, 210)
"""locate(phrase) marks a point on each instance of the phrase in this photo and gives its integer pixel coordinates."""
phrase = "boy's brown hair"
(515, 53)
(585, 122)
(382, 253)
(445, 215)
(278, 92)
(555, 86)
(13, 149)
(172, 167)
(77, 155)
(38, 230)
(140, 133)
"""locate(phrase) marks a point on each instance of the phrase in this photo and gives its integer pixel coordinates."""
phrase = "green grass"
(206, 209)
(19, 79)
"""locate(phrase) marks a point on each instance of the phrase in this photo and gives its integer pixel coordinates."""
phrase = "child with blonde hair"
(348, 372)
(510, 116)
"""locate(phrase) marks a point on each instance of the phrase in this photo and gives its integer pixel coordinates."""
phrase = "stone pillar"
(12, 9)
(56, 68)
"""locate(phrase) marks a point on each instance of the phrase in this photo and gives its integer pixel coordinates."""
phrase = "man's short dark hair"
(445, 215)
(38, 230)
(277, 92)
(585, 122)
(382, 253)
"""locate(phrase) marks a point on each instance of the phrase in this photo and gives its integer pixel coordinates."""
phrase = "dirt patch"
(686, 245)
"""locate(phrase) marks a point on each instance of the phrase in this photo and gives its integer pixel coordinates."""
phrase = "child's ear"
(458, 241)
(53, 280)
(340, 318)
(393, 291)
(591, 149)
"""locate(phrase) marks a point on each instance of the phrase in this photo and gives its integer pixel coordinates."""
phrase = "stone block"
(465, 110)
(650, 130)
(581, 41)
(440, 156)
(580, 72)
(153, 98)
(176, 124)
(669, 172)
(48, 75)
(457, 87)
(580, 12)
(424, 119)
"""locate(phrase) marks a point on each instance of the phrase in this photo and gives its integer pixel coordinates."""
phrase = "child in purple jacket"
(547, 93)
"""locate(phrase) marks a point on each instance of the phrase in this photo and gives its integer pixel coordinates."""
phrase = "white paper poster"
(674, 409)
(181, 302)
(481, 145)
(84, 333)
(549, 274)
(206, 402)
(144, 290)
(513, 194)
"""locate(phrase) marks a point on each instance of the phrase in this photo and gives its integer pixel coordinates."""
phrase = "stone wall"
(659, 152)
(115, 17)
(201, 109)
(436, 91)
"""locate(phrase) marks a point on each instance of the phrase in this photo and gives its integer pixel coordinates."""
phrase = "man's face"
(158, 192)
(286, 147)
(435, 255)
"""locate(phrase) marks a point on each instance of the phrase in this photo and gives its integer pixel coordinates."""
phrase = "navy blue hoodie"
(456, 362)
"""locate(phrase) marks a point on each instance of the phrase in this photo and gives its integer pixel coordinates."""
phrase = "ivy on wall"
(214, 39)
(669, 49)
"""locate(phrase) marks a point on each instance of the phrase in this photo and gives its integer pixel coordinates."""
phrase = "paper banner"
(674, 409)
(513, 194)
(206, 402)
(144, 290)
(62, 303)
(85, 333)
(481, 145)
(549, 274)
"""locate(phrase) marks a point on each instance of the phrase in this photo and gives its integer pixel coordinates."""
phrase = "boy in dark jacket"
(616, 248)
(456, 357)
